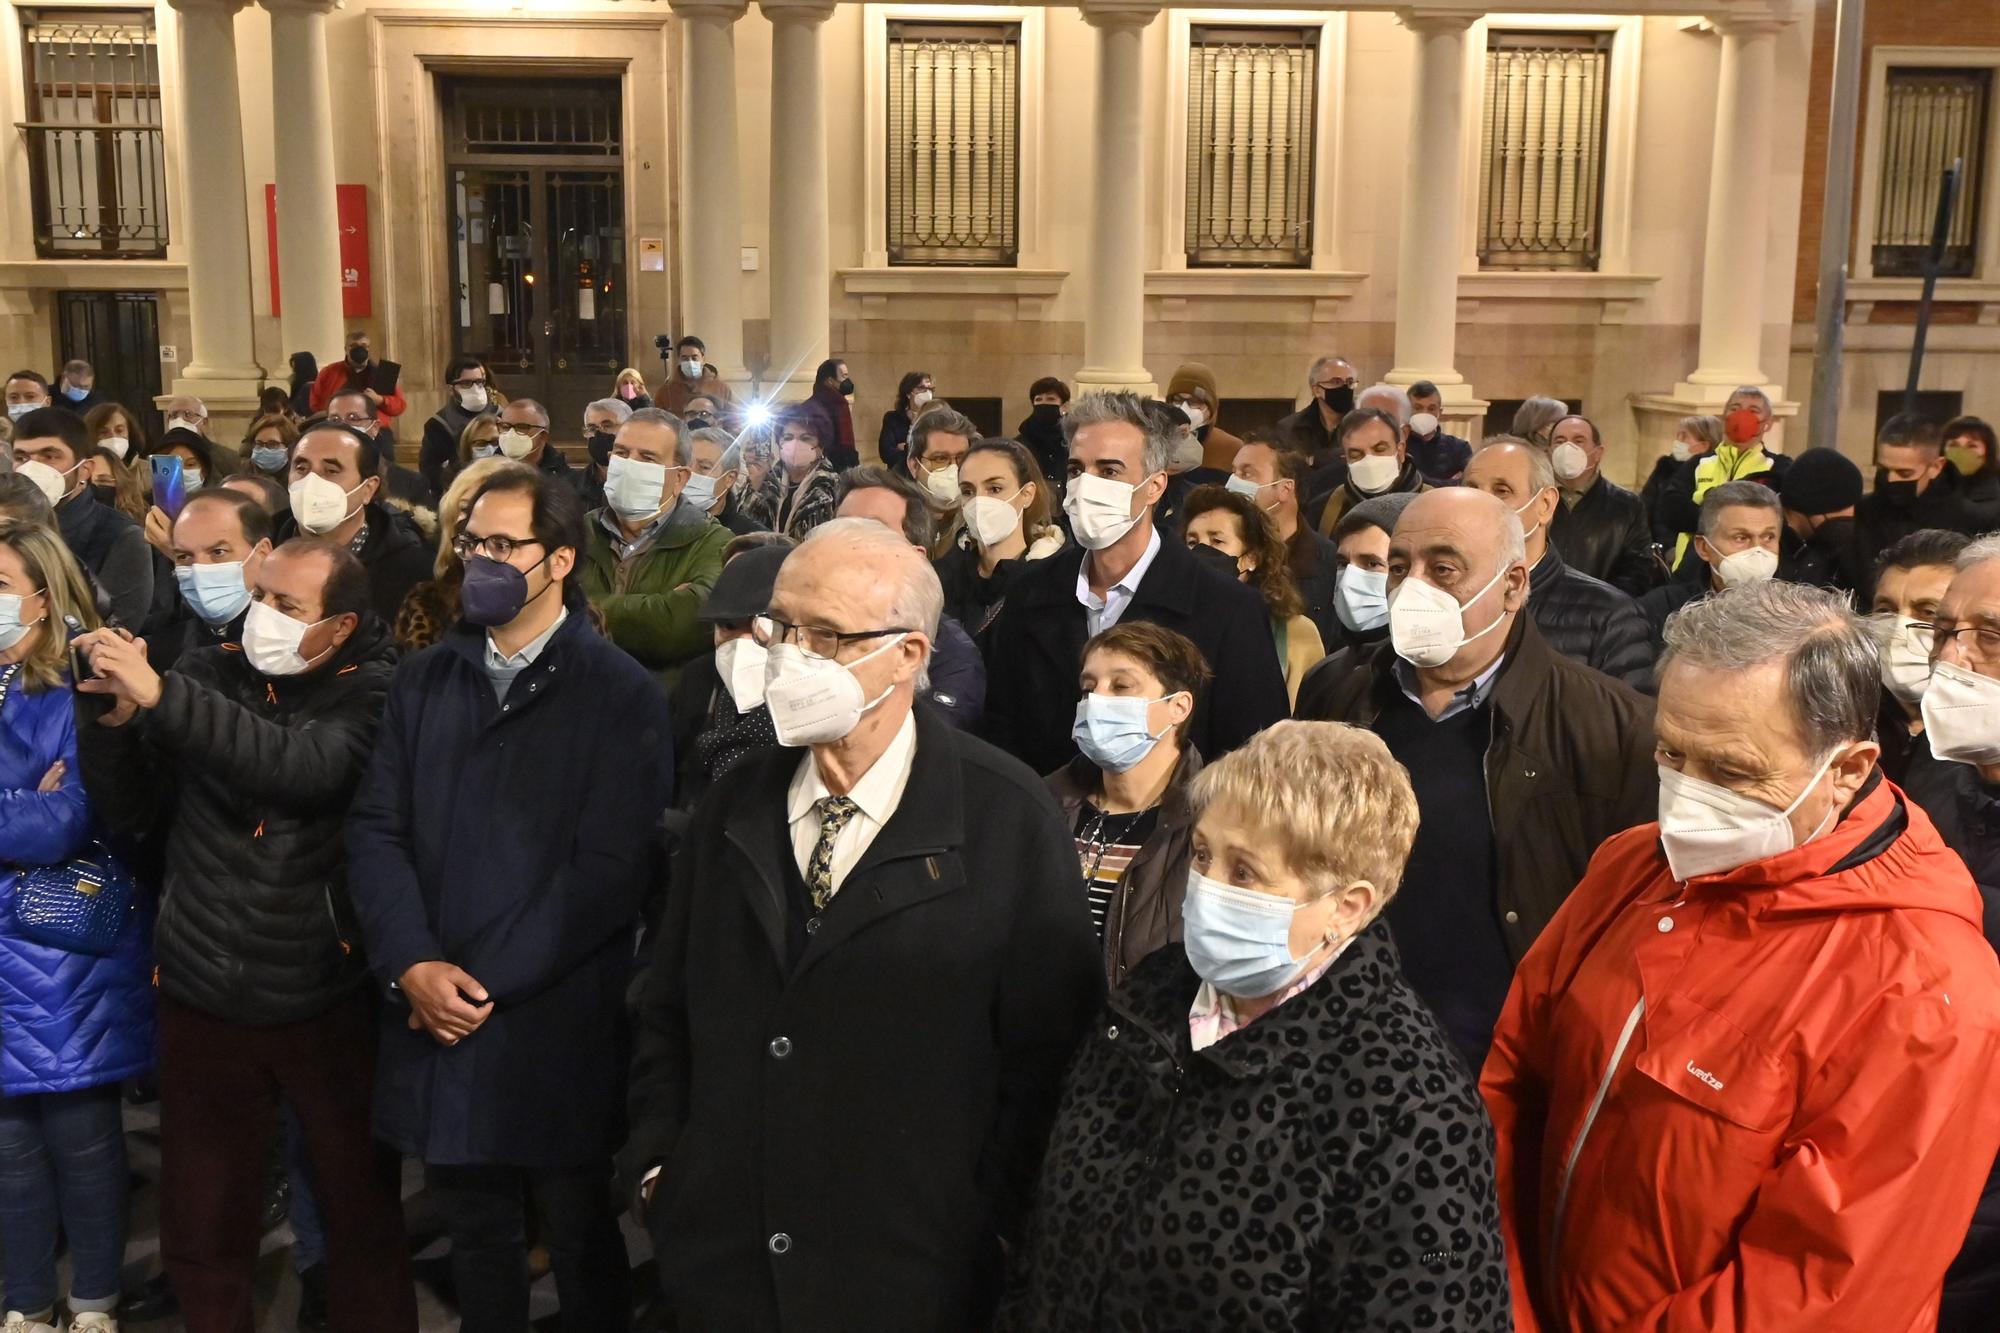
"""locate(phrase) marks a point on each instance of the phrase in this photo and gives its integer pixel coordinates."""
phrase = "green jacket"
(650, 602)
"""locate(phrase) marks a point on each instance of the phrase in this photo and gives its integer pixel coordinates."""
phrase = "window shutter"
(1541, 175)
(1930, 117)
(954, 119)
(1250, 127)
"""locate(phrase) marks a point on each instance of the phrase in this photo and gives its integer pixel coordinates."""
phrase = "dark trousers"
(486, 1210)
(220, 1087)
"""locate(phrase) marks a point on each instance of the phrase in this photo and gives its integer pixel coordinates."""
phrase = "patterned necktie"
(834, 814)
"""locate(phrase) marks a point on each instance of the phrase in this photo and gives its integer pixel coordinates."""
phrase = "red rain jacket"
(1763, 1101)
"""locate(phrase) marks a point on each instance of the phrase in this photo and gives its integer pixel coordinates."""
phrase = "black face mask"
(1046, 414)
(1339, 401)
(846, 388)
(1895, 494)
(600, 448)
(358, 355)
(1221, 562)
(700, 420)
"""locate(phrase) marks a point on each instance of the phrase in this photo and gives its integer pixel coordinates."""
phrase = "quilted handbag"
(80, 905)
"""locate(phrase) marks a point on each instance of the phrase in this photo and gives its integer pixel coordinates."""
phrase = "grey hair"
(919, 597)
(659, 416)
(540, 413)
(1752, 391)
(1707, 429)
(1098, 409)
(940, 421)
(1541, 465)
(1735, 495)
(1387, 397)
(1980, 551)
(724, 441)
(1833, 679)
(1537, 414)
(617, 407)
(1319, 368)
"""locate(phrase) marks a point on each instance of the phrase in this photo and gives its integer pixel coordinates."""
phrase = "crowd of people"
(1125, 875)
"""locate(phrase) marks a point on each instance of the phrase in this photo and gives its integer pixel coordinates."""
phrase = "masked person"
(718, 704)
(1004, 507)
(468, 390)
(1909, 584)
(1375, 446)
(50, 448)
(715, 485)
(1192, 389)
(1765, 1026)
(797, 495)
(403, 487)
(219, 543)
(889, 952)
(912, 394)
(691, 377)
(939, 442)
(1915, 487)
(1266, 1128)
(1739, 533)
(1269, 471)
(76, 388)
(651, 556)
(267, 447)
(1123, 569)
(430, 609)
(1694, 438)
(1973, 451)
(1819, 492)
(1330, 384)
(1361, 587)
(356, 370)
(263, 995)
(1600, 528)
(1441, 456)
(1239, 539)
(1742, 455)
(1042, 431)
(601, 421)
(499, 906)
(26, 391)
(335, 490)
(1523, 760)
(832, 388)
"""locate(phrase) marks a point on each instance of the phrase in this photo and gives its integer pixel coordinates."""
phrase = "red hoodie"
(1766, 1100)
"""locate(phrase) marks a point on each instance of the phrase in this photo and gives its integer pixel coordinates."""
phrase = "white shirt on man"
(878, 794)
(1101, 613)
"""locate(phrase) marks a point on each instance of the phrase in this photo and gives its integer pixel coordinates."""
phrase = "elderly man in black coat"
(499, 849)
(876, 962)
(1122, 569)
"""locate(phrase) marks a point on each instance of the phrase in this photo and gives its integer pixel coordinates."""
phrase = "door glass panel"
(495, 238)
(586, 288)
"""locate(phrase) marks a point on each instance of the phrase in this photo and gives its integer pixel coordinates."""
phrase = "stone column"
(1732, 271)
(1428, 252)
(712, 285)
(801, 274)
(223, 360)
(309, 282)
(1114, 327)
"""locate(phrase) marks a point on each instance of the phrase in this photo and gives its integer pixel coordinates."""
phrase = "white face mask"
(47, 480)
(1100, 509)
(1748, 566)
(179, 422)
(516, 444)
(816, 702)
(1197, 415)
(1374, 474)
(700, 490)
(1706, 829)
(690, 368)
(1526, 531)
(1570, 460)
(741, 664)
(1361, 598)
(634, 488)
(990, 519)
(1906, 661)
(1250, 490)
(472, 397)
(118, 445)
(15, 411)
(1962, 715)
(319, 505)
(1424, 424)
(1427, 624)
(1682, 450)
(271, 640)
(920, 397)
(942, 483)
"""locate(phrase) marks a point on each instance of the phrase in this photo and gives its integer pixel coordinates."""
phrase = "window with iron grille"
(1929, 117)
(1541, 166)
(96, 165)
(1250, 126)
(953, 144)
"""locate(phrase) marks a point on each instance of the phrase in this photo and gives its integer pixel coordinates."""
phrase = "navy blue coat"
(67, 1020)
(513, 840)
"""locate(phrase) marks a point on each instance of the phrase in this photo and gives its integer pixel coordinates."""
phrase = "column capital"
(1106, 14)
(726, 10)
(1425, 20)
(1748, 25)
(209, 6)
(320, 7)
(814, 12)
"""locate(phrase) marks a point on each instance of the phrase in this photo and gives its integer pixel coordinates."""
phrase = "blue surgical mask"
(217, 593)
(268, 458)
(12, 630)
(74, 394)
(1111, 730)
(1239, 941)
(1361, 598)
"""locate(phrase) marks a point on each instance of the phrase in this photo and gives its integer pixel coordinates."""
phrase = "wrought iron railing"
(953, 143)
(1250, 125)
(1930, 117)
(1541, 174)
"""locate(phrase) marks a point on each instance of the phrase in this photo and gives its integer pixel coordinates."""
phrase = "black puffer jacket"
(1591, 621)
(248, 777)
(1329, 1166)
(1607, 536)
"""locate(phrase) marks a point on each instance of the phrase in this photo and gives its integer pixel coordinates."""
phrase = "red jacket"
(1765, 1101)
(337, 377)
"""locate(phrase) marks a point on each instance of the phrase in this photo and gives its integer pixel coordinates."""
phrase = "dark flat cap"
(743, 589)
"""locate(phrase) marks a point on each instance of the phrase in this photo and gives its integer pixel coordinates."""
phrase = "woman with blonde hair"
(480, 439)
(431, 608)
(630, 389)
(73, 1024)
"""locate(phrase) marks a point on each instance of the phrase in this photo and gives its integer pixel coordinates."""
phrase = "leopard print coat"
(1330, 1166)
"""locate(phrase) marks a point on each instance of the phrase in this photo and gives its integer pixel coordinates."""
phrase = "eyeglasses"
(493, 548)
(1985, 641)
(815, 641)
(354, 418)
(468, 384)
(1330, 385)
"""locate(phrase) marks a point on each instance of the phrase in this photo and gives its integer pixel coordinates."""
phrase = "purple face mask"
(494, 593)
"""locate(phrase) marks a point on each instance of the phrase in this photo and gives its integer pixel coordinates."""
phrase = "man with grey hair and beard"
(852, 1040)
(1523, 760)
(1121, 569)
(1749, 1078)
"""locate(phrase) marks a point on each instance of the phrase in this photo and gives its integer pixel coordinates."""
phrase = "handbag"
(80, 905)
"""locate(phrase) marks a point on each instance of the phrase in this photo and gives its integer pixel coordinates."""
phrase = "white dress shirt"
(878, 793)
(1101, 613)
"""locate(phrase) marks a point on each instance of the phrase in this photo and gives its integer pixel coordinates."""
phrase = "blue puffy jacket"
(67, 1020)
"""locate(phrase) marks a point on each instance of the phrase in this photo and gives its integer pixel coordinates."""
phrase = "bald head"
(1467, 545)
(855, 575)
(1522, 478)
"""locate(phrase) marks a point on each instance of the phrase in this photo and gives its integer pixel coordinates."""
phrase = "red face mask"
(1743, 425)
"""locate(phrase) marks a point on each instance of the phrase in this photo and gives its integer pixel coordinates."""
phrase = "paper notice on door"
(496, 299)
(586, 303)
(652, 254)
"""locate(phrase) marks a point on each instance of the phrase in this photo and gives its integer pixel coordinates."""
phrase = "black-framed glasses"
(354, 418)
(468, 384)
(815, 641)
(497, 547)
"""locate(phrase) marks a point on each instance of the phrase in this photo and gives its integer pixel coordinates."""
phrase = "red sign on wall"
(355, 282)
